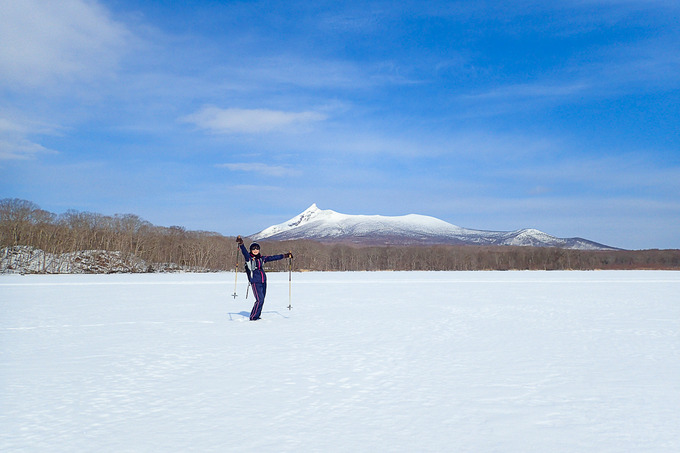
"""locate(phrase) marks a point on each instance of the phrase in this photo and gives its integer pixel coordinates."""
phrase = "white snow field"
(367, 361)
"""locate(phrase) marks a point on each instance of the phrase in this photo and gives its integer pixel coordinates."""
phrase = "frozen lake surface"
(392, 361)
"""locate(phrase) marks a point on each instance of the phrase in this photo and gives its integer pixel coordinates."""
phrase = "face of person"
(255, 251)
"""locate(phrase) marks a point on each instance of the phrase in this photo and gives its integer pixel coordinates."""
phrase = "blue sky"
(232, 116)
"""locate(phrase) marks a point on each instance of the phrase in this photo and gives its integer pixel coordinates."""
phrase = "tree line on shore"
(23, 223)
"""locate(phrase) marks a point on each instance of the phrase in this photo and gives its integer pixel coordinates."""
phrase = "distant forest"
(23, 223)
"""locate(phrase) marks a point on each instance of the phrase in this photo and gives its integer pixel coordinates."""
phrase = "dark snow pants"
(259, 291)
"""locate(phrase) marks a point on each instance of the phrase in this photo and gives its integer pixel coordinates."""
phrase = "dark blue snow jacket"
(255, 265)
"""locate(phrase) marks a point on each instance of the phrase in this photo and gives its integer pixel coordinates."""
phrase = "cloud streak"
(21, 149)
(48, 43)
(260, 168)
(51, 53)
(14, 138)
(250, 121)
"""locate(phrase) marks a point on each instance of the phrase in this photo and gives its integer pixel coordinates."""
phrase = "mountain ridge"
(411, 229)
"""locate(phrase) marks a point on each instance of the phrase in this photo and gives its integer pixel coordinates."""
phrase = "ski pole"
(290, 273)
(236, 273)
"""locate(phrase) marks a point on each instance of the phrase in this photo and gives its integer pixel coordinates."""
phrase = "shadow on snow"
(246, 314)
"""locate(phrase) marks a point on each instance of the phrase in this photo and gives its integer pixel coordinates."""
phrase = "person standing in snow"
(255, 271)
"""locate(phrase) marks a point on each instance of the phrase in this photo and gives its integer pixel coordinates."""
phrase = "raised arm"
(239, 241)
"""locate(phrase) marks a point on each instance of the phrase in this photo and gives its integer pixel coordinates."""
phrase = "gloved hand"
(288, 254)
(239, 240)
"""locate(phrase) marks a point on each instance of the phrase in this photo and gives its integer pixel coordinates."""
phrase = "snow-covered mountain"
(330, 226)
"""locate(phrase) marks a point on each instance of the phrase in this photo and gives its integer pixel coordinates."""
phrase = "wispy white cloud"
(623, 175)
(260, 168)
(300, 71)
(525, 90)
(46, 43)
(651, 64)
(21, 149)
(637, 68)
(51, 49)
(250, 121)
(15, 143)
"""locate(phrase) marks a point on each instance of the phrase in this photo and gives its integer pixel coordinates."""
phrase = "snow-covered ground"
(415, 361)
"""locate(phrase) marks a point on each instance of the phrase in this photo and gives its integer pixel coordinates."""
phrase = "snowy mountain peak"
(310, 214)
(307, 215)
(313, 208)
(330, 226)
